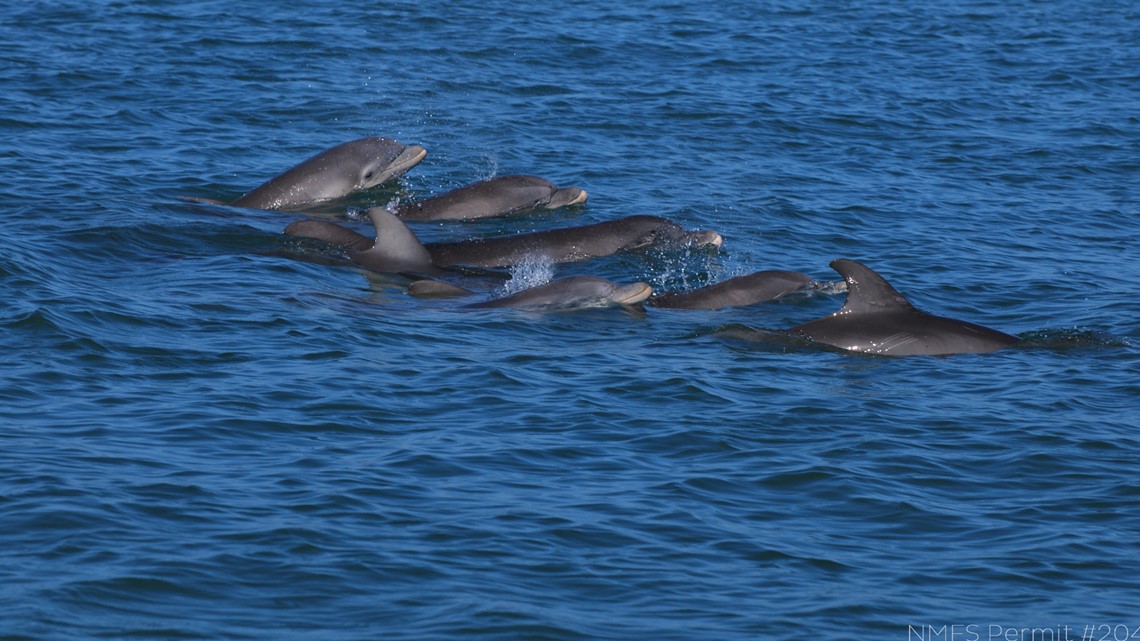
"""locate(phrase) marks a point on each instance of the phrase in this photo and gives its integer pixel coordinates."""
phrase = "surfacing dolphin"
(564, 245)
(569, 244)
(494, 197)
(736, 292)
(573, 292)
(334, 173)
(877, 319)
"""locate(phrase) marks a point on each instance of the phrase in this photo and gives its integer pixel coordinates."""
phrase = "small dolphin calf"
(736, 292)
(877, 319)
(331, 233)
(573, 292)
(568, 244)
(335, 173)
(494, 197)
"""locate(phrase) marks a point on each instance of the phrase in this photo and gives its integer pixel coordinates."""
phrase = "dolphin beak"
(408, 158)
(567, 196)
(632, 294)
(580, 198)
(705, 238)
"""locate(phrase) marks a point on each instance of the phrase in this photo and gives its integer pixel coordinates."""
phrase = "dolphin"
(334, 173)
(877, 319)
(494, 197)
(564, 245)
(395, 249)
(568, 244)
(572, 292)
(736, 292)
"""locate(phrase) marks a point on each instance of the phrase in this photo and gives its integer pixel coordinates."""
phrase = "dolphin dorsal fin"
(396, 244)
(866, 290)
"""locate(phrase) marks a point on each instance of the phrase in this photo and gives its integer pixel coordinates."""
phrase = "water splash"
(826, 287)
(532, 272)
(492, 170)
(682, 268)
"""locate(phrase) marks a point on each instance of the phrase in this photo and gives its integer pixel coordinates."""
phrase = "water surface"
(206, 438)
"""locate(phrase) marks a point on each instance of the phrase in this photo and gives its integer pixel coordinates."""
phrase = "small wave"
(30, 318)
(1070, 338)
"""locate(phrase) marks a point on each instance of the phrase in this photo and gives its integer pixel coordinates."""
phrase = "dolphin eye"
(368, 175)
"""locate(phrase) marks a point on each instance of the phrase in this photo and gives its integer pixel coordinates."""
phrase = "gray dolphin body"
(335, 173)
(736, 292)
(572, 292)
(568, 244)
(877, 319)
(557, 245)
(494, 197)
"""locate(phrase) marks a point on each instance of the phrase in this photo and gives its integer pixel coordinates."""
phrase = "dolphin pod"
(396, 250)
(875, 318)
(494, 197)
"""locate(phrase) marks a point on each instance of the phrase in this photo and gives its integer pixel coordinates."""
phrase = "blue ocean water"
(207, 438)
